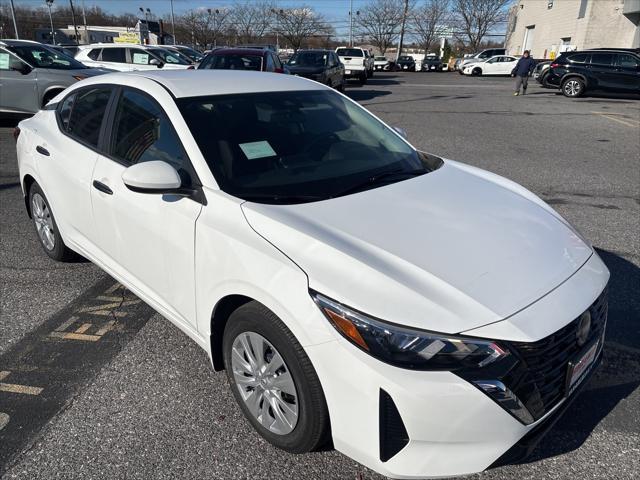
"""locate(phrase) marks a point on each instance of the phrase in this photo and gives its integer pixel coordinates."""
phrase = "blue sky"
(336, 11)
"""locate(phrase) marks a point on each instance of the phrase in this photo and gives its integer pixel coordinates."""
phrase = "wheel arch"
(27, 181)
(573, 75)
(219, 317)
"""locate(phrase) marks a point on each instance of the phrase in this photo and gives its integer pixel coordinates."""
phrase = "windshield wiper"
(376, 179)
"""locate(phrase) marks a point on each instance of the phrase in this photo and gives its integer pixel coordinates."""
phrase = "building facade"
(548, 27)
(151, 33)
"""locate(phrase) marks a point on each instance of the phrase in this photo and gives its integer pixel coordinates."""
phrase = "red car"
(259, 60)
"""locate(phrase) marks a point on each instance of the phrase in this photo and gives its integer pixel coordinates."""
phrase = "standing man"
(521, 71)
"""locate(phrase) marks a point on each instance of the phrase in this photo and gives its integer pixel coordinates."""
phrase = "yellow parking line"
(4, 420)
(15, 388)
(75, 336)
(84, 328)
(612, 116)
(25, 390)
(107, 326)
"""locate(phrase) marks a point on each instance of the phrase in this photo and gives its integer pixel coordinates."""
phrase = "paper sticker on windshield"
(253, 150)
(141, 58)
(4, 61)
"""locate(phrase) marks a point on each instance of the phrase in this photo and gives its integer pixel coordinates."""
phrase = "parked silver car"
(31, 74)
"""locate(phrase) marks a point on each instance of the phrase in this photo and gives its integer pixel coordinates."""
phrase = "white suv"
(130, 57)
(358, 63)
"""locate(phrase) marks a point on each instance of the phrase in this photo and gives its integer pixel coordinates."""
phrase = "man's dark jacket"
(524, 67)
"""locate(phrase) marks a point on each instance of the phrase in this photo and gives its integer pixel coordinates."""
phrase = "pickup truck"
(357, 63)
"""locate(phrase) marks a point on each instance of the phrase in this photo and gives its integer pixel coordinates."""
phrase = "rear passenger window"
(580, 58)
(142, 133)
(81, 114)
(94, 54)
(113, 55)
(602, 58)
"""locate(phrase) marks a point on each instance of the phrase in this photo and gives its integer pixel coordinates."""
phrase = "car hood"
(451, 250)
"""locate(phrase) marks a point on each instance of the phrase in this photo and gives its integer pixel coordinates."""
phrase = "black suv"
(613, 70)
(406, 62)
(323, 66)
(431, 63)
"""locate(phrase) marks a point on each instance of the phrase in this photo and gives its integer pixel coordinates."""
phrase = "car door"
(148, 238)
(115, 58)
(603, 70)
(138, 59)
(490, 67)
(628, 72)
(18, 84)
(67, 157)
(506, 65)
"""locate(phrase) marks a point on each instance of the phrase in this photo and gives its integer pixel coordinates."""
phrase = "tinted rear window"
(602, 58)
(233, 62)
(349, 52)
(579, 58)
(114, 55)
(94, 54)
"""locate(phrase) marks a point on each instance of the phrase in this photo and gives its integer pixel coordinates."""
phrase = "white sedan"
(427, 317)
(498, 65)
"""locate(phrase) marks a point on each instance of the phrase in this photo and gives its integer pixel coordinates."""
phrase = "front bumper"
(448, 426)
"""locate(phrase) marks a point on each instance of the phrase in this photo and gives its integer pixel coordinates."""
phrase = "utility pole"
(13, 15)
(404, 21)
(173, 25)
(351, 23)
(53, 34)
(73, 19)
(84, 21)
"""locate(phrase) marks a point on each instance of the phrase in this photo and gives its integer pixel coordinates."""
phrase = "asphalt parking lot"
(143, 402)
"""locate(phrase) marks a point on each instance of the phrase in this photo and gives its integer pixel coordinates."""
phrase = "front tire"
(46, 226)
(273, 381)
(476, 72)
(573, 87)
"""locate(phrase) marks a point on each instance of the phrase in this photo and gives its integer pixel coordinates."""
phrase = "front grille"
(539, 378)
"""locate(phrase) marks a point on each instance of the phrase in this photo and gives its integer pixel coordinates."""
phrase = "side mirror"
(402, 132)
(152, 177)
(156, 62)
(23, 68)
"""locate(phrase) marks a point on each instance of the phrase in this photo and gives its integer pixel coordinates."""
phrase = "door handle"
(102, 187)
(42, 151)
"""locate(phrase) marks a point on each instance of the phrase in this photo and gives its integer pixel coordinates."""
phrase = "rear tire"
(268, 369)
(573, 87)
(46, 226)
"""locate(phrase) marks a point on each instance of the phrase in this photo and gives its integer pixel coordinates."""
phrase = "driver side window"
(142, 132)
(9, 61)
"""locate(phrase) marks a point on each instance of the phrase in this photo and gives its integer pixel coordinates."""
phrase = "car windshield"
(191, 53)
(296, 146)
(380, 59)
(432, 59)
(349, 52)
(405, 59)
(170, 57)
(233, 61)
(43, 57)
(309, 59)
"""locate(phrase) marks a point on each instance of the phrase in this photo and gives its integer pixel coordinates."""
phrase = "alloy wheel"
(572, 88)
(43, 221)
(264, 382)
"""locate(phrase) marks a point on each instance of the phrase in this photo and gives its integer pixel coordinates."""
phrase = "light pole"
(351, 22)
(13, 16)
(53, 34)
(173, 25)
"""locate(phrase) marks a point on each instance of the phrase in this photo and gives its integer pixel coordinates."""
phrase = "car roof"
(196, 83)
(240, 51)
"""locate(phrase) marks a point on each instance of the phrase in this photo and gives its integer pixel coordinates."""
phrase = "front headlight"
(407, 347)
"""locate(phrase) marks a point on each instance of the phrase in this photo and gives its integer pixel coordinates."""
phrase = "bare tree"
(379, 21)
(478, 17)
(251, 20)
(299, 24)
(428, 20)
